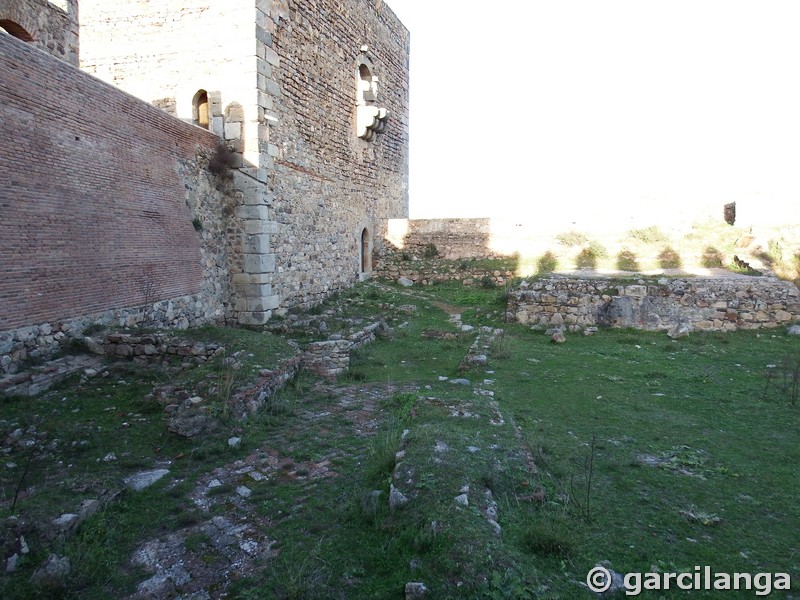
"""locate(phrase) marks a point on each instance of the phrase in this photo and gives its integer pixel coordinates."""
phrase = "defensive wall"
(286, 84)
(107, 212)
(257, 175)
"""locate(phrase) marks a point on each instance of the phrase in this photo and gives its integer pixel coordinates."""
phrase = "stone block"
(262, 303)
(254, 318)
(257, 243)
(251, 290)
(265, 227)
(259, 263)
(252, 212)
(636, 291)
(233, 131)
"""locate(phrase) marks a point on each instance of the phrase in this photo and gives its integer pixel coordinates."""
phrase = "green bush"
(586, 259)
(547, 263)
(669, 259)
(626, 261)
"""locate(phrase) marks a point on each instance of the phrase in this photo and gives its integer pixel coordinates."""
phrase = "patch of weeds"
(196, 541)
(381, 458)
(648, 235)
(488, 282)
(500, 347)
(549, 536)
(403, 406)
(187, 519)
(508, 584)
(786, 374)
(430, 251)
(572, 238)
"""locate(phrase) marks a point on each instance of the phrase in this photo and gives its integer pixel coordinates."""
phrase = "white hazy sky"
(537, 107)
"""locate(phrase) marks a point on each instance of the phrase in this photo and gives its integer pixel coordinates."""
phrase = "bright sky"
(546, 107)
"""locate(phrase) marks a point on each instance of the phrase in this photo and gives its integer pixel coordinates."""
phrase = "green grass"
(625, 446)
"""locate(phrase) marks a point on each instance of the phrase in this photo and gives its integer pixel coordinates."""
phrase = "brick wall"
(53, 25)
(94, 187)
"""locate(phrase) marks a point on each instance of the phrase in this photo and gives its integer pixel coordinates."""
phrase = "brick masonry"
(100, 219)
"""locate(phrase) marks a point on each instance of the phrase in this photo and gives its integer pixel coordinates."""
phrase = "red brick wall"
(91, 200)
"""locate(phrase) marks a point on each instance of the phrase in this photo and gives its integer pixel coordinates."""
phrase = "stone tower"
(311, 99)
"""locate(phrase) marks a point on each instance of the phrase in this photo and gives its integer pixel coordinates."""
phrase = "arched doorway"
(200, 112)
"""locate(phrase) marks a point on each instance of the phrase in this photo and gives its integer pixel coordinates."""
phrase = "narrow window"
(15, 29)
(200, 111)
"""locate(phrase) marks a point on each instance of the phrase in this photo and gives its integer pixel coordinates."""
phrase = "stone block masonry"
(107, 209)
(692, 303)
(49, 25)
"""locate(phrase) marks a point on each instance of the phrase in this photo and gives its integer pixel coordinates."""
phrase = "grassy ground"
(624, 447)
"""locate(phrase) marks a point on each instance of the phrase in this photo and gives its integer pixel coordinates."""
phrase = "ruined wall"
(705, 304)
(450, 239)
(328, 184)
(100, 214)
(52, 26)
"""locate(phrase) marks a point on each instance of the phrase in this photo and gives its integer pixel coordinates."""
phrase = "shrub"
(669, 259)
(712, 258)
(626, 261)
(430, 251)
(586, 259)
(547, 263)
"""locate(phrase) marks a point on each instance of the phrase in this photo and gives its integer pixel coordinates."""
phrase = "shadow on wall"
(449, 239)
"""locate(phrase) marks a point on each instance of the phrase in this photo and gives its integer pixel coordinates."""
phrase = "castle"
(181, 162)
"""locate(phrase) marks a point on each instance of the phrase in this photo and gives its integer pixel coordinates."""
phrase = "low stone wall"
(147, 346)
(705, 304)
(392, 266)
(43, 340)
(331, 357)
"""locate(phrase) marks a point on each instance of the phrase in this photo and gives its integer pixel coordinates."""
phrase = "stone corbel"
(370, 120)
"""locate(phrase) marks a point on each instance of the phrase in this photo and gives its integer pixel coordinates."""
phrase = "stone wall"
(664, 304)
(51, 26)
(281, 78)
(108, 216)
(330, 185)
(451, 239)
